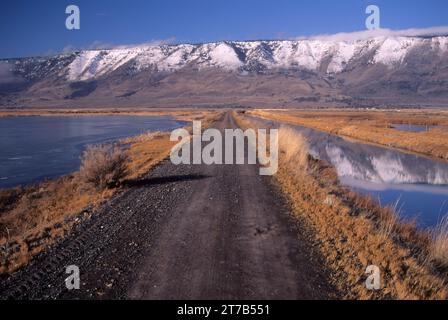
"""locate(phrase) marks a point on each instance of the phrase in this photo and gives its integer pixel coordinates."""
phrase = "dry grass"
(389, 221)
(147, 153)
(375, 127)
(43, 213)
(439, 247)
(294, 147)
(148, 136)
(353, 232)
(35, 217)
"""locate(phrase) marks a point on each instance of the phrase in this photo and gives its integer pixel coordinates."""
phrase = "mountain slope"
(383, 70)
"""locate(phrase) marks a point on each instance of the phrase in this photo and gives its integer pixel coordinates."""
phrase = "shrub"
(103, 165)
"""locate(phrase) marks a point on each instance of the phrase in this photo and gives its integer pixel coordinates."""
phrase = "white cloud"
(147, 44)
(7, 73)
(367, 34)
(69, 49)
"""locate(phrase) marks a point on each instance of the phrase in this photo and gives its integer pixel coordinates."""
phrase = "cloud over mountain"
(369, 34)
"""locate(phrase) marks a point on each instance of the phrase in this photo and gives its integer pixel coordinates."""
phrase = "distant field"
(376, 126)
(180, 114)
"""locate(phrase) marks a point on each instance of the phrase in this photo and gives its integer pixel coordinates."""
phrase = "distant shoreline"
(178, 113)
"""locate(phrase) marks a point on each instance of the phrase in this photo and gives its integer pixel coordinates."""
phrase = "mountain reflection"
(376, 164)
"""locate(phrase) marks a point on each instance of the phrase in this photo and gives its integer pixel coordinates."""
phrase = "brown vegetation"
(103, 166)
(375, 127)
(353, 231)
(438, 251)
(38, 215)
(294, 147)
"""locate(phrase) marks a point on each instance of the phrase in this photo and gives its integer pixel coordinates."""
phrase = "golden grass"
(41, 214)
(35, 217)
(375, 127)
(293, 146)
(147, 136)
(353, 232)
(439, 247)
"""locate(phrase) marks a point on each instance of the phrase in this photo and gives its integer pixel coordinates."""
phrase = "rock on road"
(184, 232)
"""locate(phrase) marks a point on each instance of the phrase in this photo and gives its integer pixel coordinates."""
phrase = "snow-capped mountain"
(314, 55)
(383, 68)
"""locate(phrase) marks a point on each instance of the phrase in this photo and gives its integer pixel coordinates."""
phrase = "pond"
(35, 147)
(412, 127)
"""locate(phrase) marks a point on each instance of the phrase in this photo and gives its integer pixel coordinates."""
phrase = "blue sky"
(37, 27)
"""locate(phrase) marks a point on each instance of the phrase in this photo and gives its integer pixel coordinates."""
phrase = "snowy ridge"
(326, 56)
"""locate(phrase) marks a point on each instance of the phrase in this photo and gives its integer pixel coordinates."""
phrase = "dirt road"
(184, 232)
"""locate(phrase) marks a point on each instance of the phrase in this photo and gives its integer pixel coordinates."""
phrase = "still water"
(412, 127)
(34, 148)
(418, 184)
